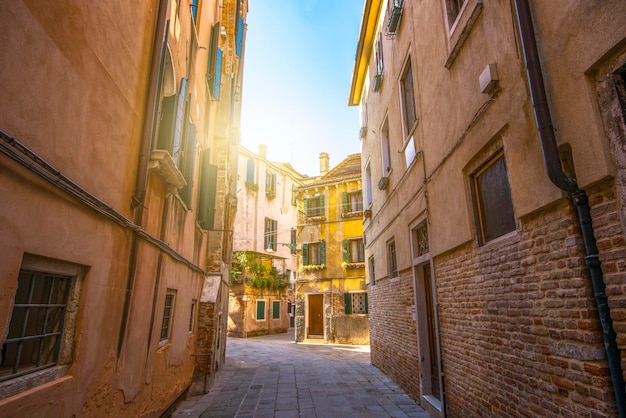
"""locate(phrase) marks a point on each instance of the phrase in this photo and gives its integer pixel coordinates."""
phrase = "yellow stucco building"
(331, 296)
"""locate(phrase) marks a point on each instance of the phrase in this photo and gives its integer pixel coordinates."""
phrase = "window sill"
(162, 163)
(461, 29)
(356, 214)
(20, 384)
(315, 219)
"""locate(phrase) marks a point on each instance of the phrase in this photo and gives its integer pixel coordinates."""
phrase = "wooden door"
(432, 333)
(316, 318)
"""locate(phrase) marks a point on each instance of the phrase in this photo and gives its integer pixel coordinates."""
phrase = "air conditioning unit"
(383, 183)
(362, 132)
(378, 80)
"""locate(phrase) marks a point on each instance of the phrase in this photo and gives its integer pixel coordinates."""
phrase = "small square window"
(492, 199)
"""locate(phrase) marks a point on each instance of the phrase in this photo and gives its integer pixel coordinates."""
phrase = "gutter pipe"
(579, 197)
(152, 103)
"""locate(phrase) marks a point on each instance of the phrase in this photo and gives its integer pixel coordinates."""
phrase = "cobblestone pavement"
(272, 376)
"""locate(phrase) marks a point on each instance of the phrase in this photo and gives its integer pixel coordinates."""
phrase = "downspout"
(579, 197)
(152, 103)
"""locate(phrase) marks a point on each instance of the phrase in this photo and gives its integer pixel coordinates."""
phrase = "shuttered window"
(207, 192)
(276, 309)
(238, 29)
(260, 310)
(314, 206)
(188, 162)
(353, 251)
(214, 67)
(271, 227)
(355, 303)
(314, 253)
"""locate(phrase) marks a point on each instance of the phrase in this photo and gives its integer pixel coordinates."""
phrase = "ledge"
(162, 163)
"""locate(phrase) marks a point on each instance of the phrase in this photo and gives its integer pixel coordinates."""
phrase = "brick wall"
(393, 340)
(519, 326)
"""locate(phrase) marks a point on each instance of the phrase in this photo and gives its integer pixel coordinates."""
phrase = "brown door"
(316, 320)
(432, 333)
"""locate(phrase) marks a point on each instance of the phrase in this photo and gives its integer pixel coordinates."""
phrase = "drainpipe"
(152, 103)
(578, 196)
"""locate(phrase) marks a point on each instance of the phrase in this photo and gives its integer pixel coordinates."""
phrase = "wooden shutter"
(189, 156)
(181, 105)
(322, 208)
(322, 252)
(305, 207)
(273, 237)
(347, 302)
(207, 191)
(260, 310)
(346, 250)
(239, 36)
(305, 254)
(275, 309)
(166, 123)
(345, 201)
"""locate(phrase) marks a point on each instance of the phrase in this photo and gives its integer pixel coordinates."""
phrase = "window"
(372, 271)
(352, 201)
(314, 206)
(392, 264)
(407, 99)
(239, 30)
(250, 171)
(36, 328)
(260, 310)
(192, 314)
(492, 199)
(353, 251)
(385, 148)
(270, 184)
(40, 333)
(355, 303)
(276, 309)
(168, 314)
(380, 64)
(188, 158)
(454, 8)
(271, 227)
(420, 240)
(368, 186)
(293, 243)
(314, 253)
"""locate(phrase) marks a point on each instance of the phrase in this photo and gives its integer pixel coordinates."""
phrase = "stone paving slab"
(272, 376)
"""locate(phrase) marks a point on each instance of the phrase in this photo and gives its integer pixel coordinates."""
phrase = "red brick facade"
(520, 332)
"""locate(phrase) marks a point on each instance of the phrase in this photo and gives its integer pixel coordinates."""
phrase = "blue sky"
(298, 67)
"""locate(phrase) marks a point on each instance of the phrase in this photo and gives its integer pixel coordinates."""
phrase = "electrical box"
(488, 79)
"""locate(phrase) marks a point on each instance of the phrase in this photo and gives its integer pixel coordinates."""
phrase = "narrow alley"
(272, 376)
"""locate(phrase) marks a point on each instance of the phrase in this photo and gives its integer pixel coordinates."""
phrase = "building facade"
(331, 294)
(118, 123)
(264, 263)
(493, 140)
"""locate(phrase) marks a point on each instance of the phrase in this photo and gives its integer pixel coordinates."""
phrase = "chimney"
(263, 151)
(324, 158)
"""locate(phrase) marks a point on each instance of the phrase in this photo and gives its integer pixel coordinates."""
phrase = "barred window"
(355, 303)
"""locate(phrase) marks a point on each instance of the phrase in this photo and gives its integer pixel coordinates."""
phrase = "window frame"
(385, 148)
(274, 304)
(65, 354)
(372, 270)
(256, 316)
(408, 126)
(308, 250)
(170, 294)
(192, 315)
(484, 236)
(270, 236)
(392, 260)
(317, 210)
(368, 186)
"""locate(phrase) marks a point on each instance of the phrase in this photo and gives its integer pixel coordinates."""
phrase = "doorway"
(316, 318)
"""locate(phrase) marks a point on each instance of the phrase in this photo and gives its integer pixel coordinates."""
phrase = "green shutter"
(166, 123)
(346, 203)
(189, 156)
(305, 254)
(207, 191)
(276, 310)
(322, 207)
(347, 302)
(346, 250)
(260, 310)
(305, 207)
(322, 252)
(366, 303)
